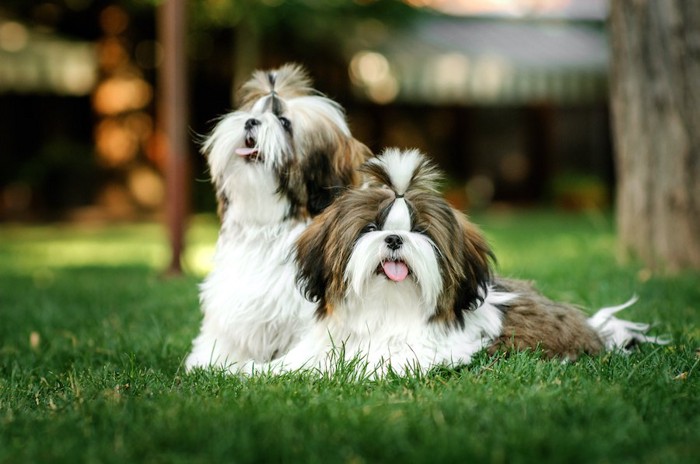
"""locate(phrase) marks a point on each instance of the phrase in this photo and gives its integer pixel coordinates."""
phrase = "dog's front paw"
(245, 368)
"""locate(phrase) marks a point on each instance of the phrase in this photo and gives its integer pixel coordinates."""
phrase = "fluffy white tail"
(621, 334)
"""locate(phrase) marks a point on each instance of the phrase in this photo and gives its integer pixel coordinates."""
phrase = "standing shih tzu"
(276, 162)
(402, 281)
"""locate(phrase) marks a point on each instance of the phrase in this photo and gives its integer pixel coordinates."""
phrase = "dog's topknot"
(401, 171)
(288, 81)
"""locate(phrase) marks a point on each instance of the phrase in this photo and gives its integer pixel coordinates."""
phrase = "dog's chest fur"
(250, 301)
(391, 326)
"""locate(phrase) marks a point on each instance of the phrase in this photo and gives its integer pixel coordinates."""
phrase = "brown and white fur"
(276, 162)
(402, 281)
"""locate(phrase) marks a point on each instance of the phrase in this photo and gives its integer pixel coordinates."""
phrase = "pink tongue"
(246, 151)
(395, 270)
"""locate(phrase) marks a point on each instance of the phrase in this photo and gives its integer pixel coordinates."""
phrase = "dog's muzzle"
(250, 152)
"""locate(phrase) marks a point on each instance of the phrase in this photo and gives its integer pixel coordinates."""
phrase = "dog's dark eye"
(371, 227)
(286, 123)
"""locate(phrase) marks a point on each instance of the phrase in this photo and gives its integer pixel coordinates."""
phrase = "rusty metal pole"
(173, 112)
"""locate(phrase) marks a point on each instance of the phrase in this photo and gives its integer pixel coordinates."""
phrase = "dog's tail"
(620, 334)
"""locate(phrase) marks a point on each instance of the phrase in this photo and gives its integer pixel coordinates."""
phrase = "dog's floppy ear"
(312, 277)
(330, 173)
(477, 261)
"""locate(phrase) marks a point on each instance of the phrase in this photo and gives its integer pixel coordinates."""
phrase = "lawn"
(92, 340)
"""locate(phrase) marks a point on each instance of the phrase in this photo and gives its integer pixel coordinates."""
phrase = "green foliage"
(306, 14)
(92, 340)
(302, 24)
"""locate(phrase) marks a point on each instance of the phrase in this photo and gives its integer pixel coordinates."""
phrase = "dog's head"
(395, 229)
(285, 153)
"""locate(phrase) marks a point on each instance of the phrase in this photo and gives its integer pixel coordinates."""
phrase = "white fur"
(400, 165)
(418, 253)
(619, 334)
(387, 328)
(231, 169)
(252, 307)
(252, 270)
(387, 324)
(253, 190)
(308, 110)
(399, 217)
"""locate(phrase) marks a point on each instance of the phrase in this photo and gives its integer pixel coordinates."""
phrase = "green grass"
(92, 341)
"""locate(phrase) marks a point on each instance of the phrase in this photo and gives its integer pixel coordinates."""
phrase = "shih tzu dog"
(403, 282)
(276, 162)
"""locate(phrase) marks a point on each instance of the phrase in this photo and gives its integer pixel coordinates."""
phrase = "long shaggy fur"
(532, 321)
(404, 281)
(276, 162)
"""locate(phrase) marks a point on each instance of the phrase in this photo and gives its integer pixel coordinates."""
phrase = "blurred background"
(510, 97)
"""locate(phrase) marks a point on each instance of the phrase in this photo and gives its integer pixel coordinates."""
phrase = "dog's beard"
(372, 263)
(245, 137)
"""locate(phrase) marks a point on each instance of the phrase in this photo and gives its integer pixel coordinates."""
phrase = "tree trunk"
(655, 98)
(173, 114)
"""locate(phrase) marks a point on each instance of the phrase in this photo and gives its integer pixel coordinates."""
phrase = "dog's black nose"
(394, 242)
(249, 124)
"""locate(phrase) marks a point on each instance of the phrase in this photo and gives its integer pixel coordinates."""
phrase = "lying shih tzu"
(402, 281)
(276, 162)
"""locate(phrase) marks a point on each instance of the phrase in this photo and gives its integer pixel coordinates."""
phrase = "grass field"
(92, 341)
